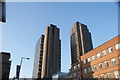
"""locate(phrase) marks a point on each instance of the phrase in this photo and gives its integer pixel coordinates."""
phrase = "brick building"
(102, 63)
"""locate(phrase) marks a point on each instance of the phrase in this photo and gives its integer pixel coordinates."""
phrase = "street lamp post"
(22, 60)
(19, 67)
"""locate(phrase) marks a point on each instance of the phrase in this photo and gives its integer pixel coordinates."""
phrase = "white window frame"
(116, 74)
(78, 65)
(108, 75)
(85, 71)
(74, 74)
(89, 69)
(88, 59)
(84, 62)
(95, 76)
(106, 62)
(93, 58)
(119, 58)
(117, 46)
(104, 52)
(100, 66)
(94, 68)
(101, 77)
(75, 67)
(110, 49)
(98, 55)
(113, 61)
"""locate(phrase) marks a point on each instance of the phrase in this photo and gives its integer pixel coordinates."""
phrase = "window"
(78, 65)
(85, 71)
(75, 67)
(98, 55)
(74, 74)
(108, 75)
(116, 74)
(101, 77)
(94, 68)
(95, 78)
(88, 59)
(84, 61)
(93, 58)
(113, 61)
(100, 66)
(119, 58)
(89, 70)
(106, 64)
(103, 52)
(117, 46)
(110, 50)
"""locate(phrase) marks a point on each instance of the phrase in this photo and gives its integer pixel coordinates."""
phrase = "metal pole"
(21, 61)
(21, 65)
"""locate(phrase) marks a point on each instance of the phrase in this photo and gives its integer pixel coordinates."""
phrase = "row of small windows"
(108, 75)
(106, 64)
(77, 66)
(110, 50)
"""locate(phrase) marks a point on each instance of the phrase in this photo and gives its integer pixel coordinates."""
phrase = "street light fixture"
(22, 60)
(19, 67)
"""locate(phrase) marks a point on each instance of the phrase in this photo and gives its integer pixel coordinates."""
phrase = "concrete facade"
(102, 63)
(52, 52)
(37, 68)
(80, 41)
(48, 54)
